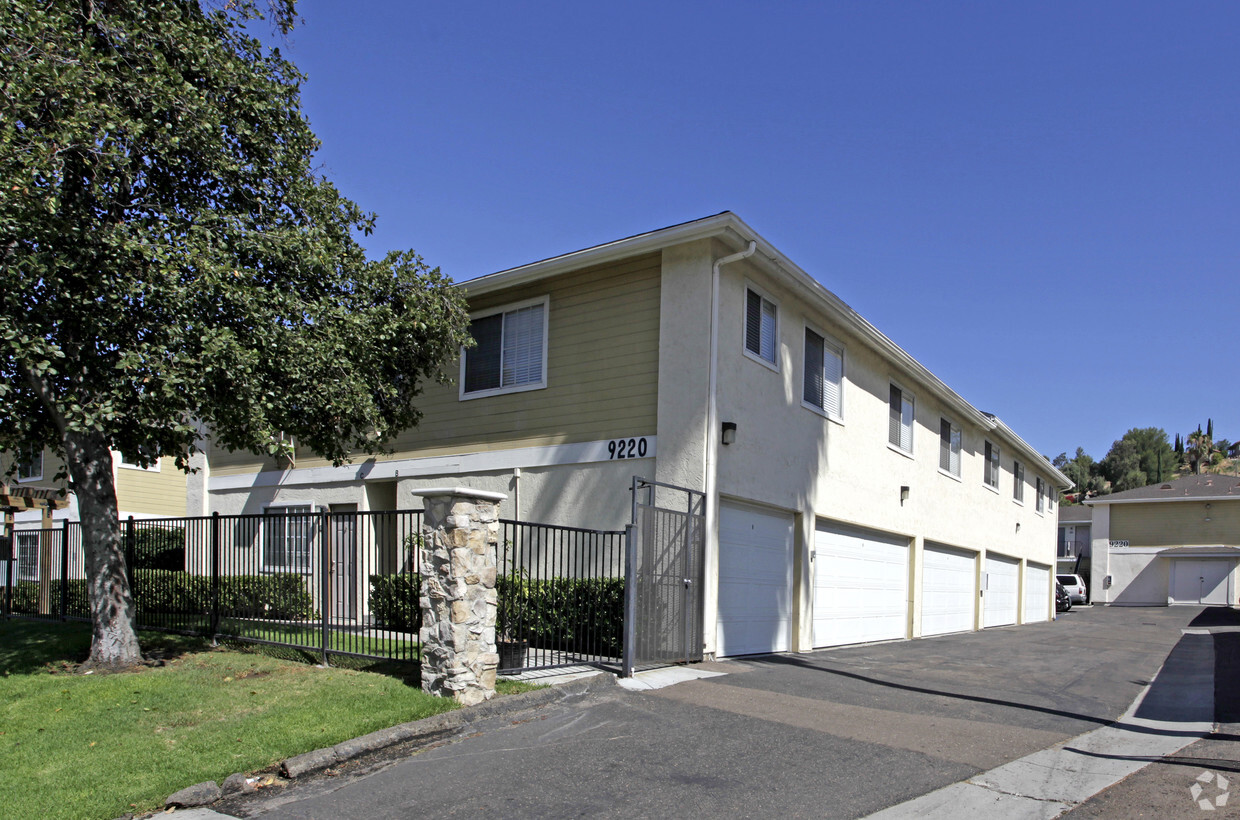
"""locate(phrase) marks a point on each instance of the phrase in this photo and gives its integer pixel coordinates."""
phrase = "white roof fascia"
(1057, 475)
(600, 254)
(728, 225)
(1207, 498)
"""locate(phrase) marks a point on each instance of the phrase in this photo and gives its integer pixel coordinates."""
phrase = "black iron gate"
(663, 570)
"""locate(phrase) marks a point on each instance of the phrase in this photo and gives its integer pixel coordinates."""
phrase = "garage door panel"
(1037, 593)
(755, 580)
(1002, 589)
(949, 590)
(1200, 581)
(860, 586)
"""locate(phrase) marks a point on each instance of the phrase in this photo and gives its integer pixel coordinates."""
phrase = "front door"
(344, 561)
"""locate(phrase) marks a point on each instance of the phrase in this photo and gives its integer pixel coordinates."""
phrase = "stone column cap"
(464, 492)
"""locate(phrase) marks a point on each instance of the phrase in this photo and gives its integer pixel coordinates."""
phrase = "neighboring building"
(154, 492)
(854, 496)
(1171, 543)
(1073, 543)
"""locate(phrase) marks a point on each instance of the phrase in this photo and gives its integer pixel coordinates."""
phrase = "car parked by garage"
(1075, 587)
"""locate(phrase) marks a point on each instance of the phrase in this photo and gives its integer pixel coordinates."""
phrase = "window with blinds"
(900, 424)
(510, 351)
(949, 447)
(824, 374)
(760, 326)
(992, 466)
(1018, 481)
(1041, 489)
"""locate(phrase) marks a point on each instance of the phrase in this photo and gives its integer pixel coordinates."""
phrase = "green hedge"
(156, 548)
(276, 597)
(583, 615)
(394, 601)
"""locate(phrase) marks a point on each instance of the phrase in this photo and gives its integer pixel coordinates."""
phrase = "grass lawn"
(100, 745)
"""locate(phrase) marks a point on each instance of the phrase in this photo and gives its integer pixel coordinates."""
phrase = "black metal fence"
(331, 583)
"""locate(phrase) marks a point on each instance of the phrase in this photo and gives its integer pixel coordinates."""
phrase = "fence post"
(215, 576)
(9, 560)
(457, 556)
(131, 551)
(630, 600)
(325, 585)
(64, 571)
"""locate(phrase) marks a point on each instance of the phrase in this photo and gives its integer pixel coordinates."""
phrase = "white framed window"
(27, 548)
(510, 354)
(900, 419)
(761, 327)
(130, 462)
(949, 448)
(30, 463)
(1040, 504)
(824, 375)
(991, 465)
(1018, 482)
(287, 535)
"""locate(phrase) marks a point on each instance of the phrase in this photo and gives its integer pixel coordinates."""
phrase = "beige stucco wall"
(602, 375)
(792, 458)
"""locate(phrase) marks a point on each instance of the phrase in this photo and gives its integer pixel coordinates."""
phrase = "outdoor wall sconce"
(1207, 512)
(903, 495)
(729, 432)
(1018, 526)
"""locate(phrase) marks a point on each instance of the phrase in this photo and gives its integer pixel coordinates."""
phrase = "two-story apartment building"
(850, 494)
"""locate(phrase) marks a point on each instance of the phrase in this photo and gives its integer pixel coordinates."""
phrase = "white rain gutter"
(711, 456)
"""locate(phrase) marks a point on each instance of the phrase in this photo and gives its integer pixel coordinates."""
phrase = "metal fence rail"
(335, 583)
(560, 596)
(331, 583)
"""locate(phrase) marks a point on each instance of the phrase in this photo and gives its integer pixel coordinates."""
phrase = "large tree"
(1143, 456)
(169, 258)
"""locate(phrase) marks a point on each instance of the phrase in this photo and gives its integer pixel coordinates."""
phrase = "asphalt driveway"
(834, 733)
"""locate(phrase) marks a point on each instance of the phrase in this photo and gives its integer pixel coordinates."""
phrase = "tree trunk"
(113, 642)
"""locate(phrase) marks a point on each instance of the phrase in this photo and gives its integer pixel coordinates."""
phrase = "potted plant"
(511, 607)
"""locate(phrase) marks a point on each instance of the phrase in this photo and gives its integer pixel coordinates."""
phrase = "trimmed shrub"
(395, 601)
(584, 615)
(156, 548)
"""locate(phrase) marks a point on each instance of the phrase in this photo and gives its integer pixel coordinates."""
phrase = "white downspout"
(712, 445)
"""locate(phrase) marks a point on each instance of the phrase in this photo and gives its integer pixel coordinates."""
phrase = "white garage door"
(948, 590)
(1037, 594)
(1002, 591)
(1200, 582)
(860, 586)
(755, 580)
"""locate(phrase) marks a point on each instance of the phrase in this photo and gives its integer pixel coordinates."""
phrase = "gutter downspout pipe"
(712, 434)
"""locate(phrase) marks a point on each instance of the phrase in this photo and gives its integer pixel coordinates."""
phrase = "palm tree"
(1200, 448)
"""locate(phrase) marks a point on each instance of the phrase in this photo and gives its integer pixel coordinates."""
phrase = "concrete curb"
(439, 726)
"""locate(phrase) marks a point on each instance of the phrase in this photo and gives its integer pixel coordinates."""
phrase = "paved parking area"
(835, 733)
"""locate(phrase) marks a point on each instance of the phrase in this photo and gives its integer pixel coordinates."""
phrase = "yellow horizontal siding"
(602, 374)
(151, 493)
(1177, 524)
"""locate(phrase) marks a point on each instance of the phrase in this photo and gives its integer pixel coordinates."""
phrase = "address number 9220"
(619, 448)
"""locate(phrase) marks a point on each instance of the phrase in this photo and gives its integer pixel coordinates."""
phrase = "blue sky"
(1039, 202)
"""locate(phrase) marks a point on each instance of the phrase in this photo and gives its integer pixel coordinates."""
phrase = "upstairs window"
(991, 475)
(760, 326)
(511, 351)
(824, 374)
(1041, 490)
(30, 463)
(900, 420)
(949, 447)
(1018, 481)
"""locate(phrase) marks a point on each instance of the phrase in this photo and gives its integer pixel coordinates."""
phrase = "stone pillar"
(460, 534)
